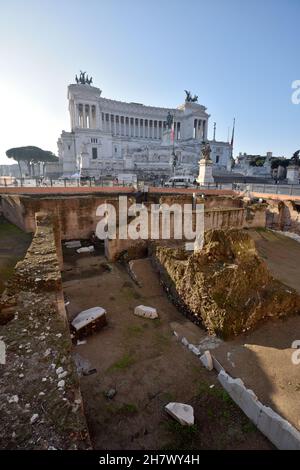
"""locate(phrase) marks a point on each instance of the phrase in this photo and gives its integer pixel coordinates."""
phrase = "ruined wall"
(211, 201)
(76, 215)
(226, 286)
(248, 217)
(14, 211)
(39, 408)
(283, 215)
(283, 211)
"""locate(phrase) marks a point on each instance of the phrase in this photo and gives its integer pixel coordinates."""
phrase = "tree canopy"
(31, 155)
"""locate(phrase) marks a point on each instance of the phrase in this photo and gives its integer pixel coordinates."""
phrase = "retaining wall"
(279, 431)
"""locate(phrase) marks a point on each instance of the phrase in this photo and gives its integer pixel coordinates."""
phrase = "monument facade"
(109, 136)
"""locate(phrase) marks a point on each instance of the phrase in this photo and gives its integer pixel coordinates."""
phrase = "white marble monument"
(118, 136)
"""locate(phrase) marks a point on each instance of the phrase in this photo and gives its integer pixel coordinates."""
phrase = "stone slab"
(146, 312)
(89, 321)
(207, 361)
(279, 431)
(183, 413)
(73, 244)
(86, 249)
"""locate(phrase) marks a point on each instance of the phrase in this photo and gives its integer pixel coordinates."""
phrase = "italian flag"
(172, 132)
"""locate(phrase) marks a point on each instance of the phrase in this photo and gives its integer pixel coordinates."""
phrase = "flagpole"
(173, 139)
(232, 138)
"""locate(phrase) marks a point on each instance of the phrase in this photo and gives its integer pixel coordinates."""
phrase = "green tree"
(31, 155)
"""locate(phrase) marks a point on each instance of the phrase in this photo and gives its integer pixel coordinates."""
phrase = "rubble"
(194, 349)
(34, 418)
(110, 393)
(146, 312)
(207, 361)
(183, 413)
(13, 399)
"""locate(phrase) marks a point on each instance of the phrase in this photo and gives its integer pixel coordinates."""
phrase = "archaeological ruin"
(102, 338)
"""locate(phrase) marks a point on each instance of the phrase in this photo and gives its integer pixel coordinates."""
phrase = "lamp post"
(170, 126)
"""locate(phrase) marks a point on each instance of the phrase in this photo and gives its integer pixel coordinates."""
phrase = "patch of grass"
(221, 394)
(129, 293)
(203, 388)
(135, 329)
(161, 341)
(156, 323)
(168, 396)
(226, 414)
(6, 228)
(182, 437)
(110, 409)
(248, 427)
(260, 229)
(216, 392)
(128, 409)
(113, 409)
(123, 363)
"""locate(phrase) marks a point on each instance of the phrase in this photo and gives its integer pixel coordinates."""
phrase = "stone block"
(183, 413)
(73, 244)
(88, 321)
(194, 349)
(279, 431)
(207, 361)
(86, 249)
(244, 398)
(184, 341)
(146, 312)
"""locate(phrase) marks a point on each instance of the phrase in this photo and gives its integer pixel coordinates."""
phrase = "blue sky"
(240, 57)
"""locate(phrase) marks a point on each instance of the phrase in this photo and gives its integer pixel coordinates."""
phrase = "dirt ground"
(142, 360)
(13, 246)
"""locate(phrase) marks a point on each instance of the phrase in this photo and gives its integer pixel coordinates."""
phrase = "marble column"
(83, 116)
(76, 124)
(203, 130)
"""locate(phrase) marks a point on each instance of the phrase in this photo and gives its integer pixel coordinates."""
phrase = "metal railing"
(284, 189)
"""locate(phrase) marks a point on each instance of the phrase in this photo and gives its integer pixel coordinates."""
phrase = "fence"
(285, 189)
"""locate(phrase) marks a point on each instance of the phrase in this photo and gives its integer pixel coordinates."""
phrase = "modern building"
(109, 136)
